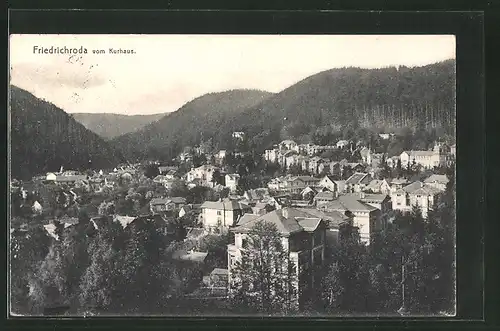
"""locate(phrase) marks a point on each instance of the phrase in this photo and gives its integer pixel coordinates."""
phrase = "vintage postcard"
(232, 175)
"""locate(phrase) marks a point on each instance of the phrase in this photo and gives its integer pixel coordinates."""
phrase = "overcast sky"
(167, 71)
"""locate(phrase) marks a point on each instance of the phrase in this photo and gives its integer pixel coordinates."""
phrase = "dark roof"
(349, 203)
(224, 205)
(359, 178)
(286, 220)
(442, 179)
(325, 195)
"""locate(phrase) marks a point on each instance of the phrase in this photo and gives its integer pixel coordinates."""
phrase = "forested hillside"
(202, 118)
(333, 100)
(44, 138)
(325, 105)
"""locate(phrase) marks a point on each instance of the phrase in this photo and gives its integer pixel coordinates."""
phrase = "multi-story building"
(291, 184)
(219, 216)
(366, 217)
(427, 159)
(203, 173)
(272, 155)
(358, 182)
(232, 181)
(289, 145)
(438, 181)
(303, 237)
(418, 194)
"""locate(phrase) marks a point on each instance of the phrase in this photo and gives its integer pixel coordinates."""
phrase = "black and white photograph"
(232, 175)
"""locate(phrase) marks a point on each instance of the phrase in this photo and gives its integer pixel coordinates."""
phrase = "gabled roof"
(375, 184)
(399, 181)
(325, 195)
(70, 178)
(329, 178)
(220, 271)
(349, 203)
(286, 220)
(233, 176)
(309, 224)
(441, 179)
(226, 204)
(357, 178)
(419, 153)
(288, 142)
(377, 198)
(123, 220)
(419, 188)
(332, 218)
(285, 225)
(159, 201)
(246, 218)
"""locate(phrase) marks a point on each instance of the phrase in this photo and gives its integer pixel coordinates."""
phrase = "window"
(244, 243)
(219, 213)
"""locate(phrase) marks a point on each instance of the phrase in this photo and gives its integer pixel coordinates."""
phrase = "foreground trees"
(264, 280)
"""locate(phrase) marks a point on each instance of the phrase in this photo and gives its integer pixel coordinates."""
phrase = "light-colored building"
(239, 135)
(232, 181)
(342, 143)
(438, 181)
(427, 159)
(328, 183)
(324, 197)
(203, 173)
(292, 184)
(303, 237)
(219, 216)
(163, 205)
(365, 216)
(378, 186)
(416, 194)
(358, 182)
(289, 145)
(272, 155)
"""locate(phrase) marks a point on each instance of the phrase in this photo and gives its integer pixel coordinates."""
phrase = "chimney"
(284, 212)
(362, 195)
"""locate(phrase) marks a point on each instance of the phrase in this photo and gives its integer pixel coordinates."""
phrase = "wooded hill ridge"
(44, 138)
(109, 126)
(330, 101)
(198, 119)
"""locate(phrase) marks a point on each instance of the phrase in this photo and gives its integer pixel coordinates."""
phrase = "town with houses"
(309, 198)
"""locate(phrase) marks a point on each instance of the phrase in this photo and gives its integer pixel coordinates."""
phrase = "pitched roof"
(399, 181)
(189, 256)
(123, 220)
(375, 184)
(178, 200)
(246, 218)
(349, 203)
(332, 218)
(374, 197)
(309, 224)
(286, 220)
(70, 178)
(325, 195)
(220, 271)
(233, 176)
(420, 188)
(226, 204)
(441, 179)
(159, 201)
(356, 178)
(419, 153)
(285, 225)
